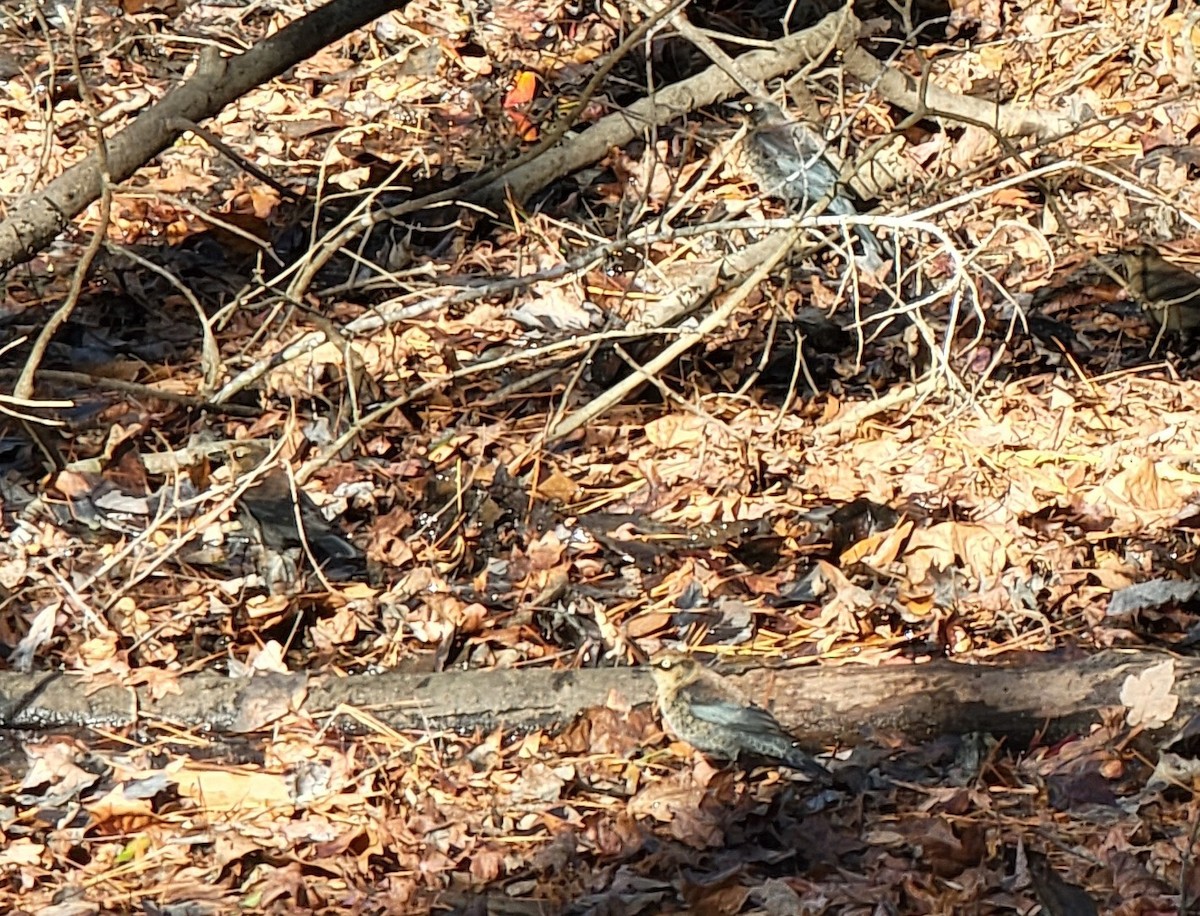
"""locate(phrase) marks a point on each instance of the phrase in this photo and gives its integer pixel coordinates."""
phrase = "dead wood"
(671, 102)
(822, 705)
(838, 31)
(35, 221)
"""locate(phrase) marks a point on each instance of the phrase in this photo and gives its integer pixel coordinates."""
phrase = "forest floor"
(514, 461)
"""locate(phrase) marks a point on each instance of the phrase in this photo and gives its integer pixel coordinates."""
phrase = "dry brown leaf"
(1149, 697)
(248, 791)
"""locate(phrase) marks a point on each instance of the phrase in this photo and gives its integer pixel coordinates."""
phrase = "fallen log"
(823, 705)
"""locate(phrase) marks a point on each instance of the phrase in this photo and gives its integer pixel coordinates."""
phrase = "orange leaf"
(524, 88)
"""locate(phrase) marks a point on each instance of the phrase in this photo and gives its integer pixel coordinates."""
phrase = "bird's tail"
(799, 760)
(872, 250)
(873, 256)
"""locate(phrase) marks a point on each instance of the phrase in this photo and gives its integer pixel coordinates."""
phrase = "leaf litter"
(1057, 473)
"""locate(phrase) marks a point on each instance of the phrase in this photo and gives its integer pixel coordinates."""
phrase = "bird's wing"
(1170, 284)
(712, 705)
(775, 143)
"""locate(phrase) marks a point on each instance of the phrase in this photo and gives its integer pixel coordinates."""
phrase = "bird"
(702, 708)
(271, 506)
(272, 509)
(1169, 293)
(789, 160)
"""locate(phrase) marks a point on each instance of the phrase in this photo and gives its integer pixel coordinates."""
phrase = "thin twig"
(25, 381)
